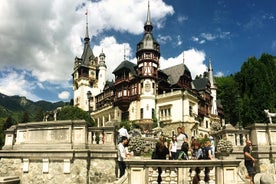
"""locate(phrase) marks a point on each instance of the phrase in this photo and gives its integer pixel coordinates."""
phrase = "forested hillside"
(16, 109)
(17, 106)
(246, 94)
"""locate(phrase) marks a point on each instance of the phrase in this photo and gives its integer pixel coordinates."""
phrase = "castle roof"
(175, 72)
(126, 65)
(201, 83)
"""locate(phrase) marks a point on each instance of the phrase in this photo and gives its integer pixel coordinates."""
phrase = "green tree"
(227, 92)
(257, 86)
(25, 117)
(39, 115)
(8, 123)
(247, 93)
(74, 113)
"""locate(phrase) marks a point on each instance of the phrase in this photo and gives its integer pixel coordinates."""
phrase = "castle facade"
(143, 93)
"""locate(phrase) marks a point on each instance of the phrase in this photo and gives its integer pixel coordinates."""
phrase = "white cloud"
(219, 74)
(179, 40)
(208, 36)
(193, 59)
(15, 83)
(44, 38)
(181, 19)
(114, 53)
(195, 39)
(45, 41)
(211, 37)
(202, 41)
(163, 39)
(64, 95)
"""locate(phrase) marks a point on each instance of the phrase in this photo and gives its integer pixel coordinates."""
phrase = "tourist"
(207, 155)
(122, 155)
(172, 149)
(122, 132)
(207, 151)
(183, 131)
(162, 151)
(180, 139)
(211, 138)
(184, 150)
(195, 147)
(249, 161)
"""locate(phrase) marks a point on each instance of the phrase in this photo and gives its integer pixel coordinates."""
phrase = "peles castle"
(68, 151)
(143, 93)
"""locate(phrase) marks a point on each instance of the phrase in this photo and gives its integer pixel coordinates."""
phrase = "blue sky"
(39, 41)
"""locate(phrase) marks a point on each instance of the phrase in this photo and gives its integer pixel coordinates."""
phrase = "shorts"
(250, 167)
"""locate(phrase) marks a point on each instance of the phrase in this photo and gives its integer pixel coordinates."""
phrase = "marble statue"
(269, 115)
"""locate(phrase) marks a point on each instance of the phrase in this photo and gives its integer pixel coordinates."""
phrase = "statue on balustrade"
(270, 115)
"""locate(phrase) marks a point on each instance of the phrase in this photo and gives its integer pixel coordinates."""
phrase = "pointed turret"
(148, 52)
(87, 54)
(102, 71)
(85, 75)
(148, 26)
(210, 74)
(213, 88)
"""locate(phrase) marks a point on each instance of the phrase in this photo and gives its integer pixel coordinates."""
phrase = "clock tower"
(89, 76)
(148, 54)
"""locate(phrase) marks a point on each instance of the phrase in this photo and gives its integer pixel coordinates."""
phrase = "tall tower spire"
(213, 87)
(86, 39)
(148, 26)
(210, 73)
(124, 52)
(84, 75)
(183, 57)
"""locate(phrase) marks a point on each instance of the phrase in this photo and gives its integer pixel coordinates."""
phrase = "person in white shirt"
(122, 132)
(180, 139)
(173, 145)
(122, 155)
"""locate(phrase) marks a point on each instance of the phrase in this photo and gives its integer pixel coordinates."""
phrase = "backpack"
(185, 147)
(205, 154)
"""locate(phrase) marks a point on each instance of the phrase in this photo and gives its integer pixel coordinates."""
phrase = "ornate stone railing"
(104, 136)
(182, 171)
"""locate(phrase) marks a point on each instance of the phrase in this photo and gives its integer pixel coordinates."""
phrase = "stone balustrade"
(182, 171)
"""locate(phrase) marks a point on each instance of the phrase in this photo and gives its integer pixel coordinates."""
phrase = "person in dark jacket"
(162, 151)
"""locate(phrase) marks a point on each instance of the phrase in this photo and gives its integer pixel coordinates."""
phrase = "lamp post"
(239, 104)
(89, 95)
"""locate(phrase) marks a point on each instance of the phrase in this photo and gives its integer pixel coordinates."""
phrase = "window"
(141, 113)
(190, 110)
(165, 112)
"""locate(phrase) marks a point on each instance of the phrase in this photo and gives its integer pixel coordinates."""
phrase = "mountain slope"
(15, 106)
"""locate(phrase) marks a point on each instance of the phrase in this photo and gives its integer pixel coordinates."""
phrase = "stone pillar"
(238, 139)
(9, 138)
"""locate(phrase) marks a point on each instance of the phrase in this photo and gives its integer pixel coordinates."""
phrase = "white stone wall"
(55, 171)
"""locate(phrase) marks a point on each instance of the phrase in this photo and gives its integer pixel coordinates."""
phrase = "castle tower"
(102, 72)
(213, 87)
(148, 54)
(85, 76)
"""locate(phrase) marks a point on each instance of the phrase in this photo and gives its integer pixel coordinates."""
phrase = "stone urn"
(224, 149)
